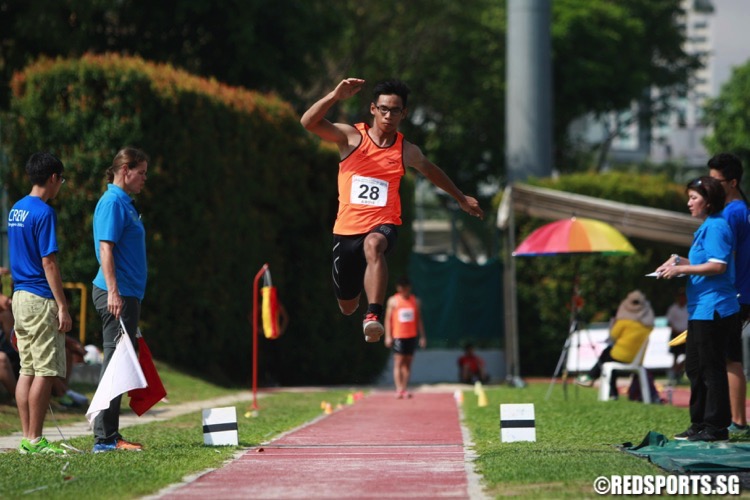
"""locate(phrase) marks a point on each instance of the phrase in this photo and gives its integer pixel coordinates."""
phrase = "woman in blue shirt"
(120, 284)
(713, 311)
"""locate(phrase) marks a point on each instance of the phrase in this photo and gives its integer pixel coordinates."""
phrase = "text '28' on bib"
(368, 191)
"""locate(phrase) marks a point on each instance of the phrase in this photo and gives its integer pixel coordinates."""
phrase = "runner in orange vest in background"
(373, 160)
(403, 321)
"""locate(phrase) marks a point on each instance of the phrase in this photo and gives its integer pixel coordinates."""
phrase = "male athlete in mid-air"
(373, 160)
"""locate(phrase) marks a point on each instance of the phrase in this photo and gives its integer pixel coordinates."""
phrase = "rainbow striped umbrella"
(575, 236)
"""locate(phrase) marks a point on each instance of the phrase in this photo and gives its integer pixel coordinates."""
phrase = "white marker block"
(517, 423)
(220, 426)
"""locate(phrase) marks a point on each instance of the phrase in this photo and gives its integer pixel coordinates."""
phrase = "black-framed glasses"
(384, 110)
(62, 179)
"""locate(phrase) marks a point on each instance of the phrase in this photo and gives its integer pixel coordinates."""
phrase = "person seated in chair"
(633, 324)
(471, 367)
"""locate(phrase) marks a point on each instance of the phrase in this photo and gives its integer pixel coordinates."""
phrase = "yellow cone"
(482, 399)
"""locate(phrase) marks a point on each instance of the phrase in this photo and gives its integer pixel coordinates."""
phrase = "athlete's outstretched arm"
(314, 118)
(414, 158)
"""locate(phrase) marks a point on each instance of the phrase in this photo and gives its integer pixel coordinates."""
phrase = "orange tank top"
(369, 179)
(404, 317)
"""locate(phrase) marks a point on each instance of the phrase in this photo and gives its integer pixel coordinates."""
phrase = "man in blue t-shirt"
(39, 306)
(727, 169)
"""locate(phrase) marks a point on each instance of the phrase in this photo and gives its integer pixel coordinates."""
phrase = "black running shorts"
(405, 347)
(734, 346)
(349, 261)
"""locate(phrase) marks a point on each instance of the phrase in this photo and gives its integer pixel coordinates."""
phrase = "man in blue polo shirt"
(120, 284)
(39, 306)
(727, 169)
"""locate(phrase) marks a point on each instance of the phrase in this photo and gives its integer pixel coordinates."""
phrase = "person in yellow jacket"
(633, 323)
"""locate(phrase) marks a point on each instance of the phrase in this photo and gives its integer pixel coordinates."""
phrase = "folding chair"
(636, 366)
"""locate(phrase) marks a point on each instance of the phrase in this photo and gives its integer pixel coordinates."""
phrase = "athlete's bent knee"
(375, 246)
(348, 307)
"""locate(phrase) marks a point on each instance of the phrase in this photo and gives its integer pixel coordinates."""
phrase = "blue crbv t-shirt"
(32, 226)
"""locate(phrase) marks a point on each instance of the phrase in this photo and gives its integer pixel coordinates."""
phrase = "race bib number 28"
(368, 191)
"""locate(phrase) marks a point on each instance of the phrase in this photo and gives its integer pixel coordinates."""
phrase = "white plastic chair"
(636, 366)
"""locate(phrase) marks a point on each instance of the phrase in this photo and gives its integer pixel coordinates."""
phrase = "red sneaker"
(372, 327)
(121, 444)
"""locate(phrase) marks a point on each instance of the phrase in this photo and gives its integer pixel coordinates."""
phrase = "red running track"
(681, 398)
(379, 447)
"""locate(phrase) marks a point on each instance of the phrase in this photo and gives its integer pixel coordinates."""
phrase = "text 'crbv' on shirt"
(116, 220)
(368, 182)
(32, 227)
(712, 242)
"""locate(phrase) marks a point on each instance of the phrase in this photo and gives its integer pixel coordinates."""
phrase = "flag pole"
(255, 334)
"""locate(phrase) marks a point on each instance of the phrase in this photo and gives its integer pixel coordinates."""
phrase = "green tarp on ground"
(692, 456)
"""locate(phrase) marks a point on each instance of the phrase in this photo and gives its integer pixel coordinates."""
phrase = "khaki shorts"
(40, 344)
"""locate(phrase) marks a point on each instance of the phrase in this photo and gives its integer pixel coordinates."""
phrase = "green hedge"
(545, 284)
(234, 181)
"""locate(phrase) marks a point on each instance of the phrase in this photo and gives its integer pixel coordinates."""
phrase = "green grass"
(182, 387)
(174, 449)
(575, 440)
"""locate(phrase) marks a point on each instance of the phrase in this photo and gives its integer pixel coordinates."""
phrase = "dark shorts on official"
(734, 345)
(349, 261)
(405, 346)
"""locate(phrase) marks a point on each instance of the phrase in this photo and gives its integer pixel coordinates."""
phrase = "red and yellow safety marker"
(270, 308)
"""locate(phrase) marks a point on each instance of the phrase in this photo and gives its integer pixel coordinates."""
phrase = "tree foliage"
(452, 54)
(608, 55)
(729, 115)
(267, 45)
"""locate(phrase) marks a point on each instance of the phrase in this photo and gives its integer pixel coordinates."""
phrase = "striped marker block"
(220, 426)
(517, 423)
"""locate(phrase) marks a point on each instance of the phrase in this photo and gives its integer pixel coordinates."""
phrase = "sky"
(731, 36)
